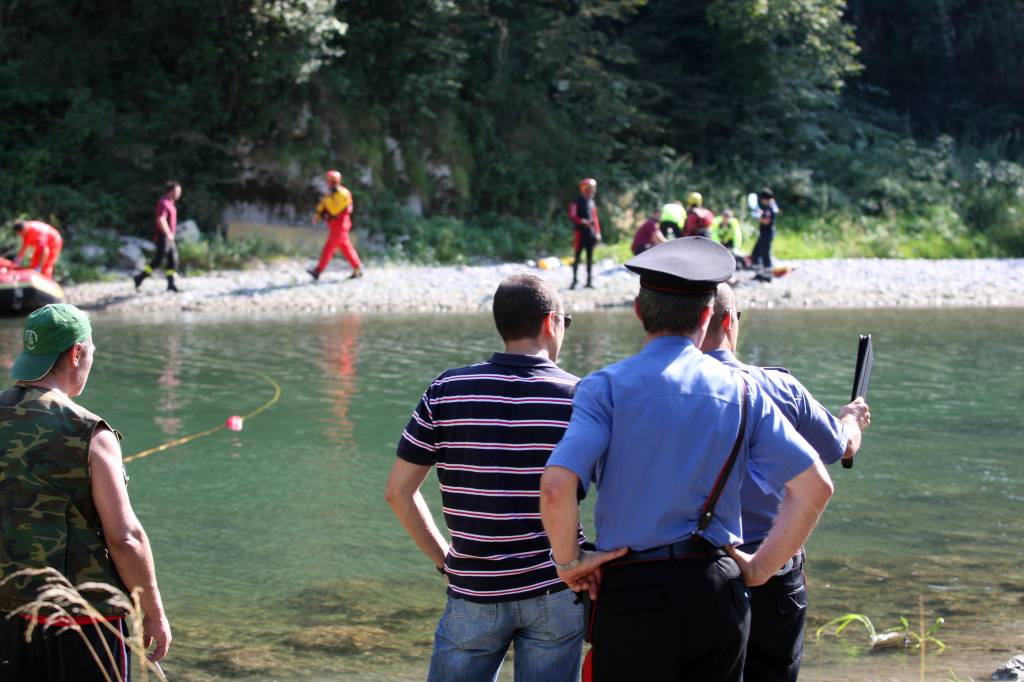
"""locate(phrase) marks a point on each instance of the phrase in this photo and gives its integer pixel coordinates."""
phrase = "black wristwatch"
(440, 569)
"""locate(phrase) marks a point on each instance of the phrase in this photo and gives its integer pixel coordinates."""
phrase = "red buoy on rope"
(234, 423)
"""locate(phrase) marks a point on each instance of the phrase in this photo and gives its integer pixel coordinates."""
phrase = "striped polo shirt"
(489, 429)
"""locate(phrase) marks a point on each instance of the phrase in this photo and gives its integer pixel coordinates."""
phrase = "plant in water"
(58, 602)
(897, 637)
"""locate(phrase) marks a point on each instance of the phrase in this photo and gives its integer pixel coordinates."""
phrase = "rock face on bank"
(285, 288)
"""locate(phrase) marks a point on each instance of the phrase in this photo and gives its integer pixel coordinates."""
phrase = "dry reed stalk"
(924, 637)
(57, 598)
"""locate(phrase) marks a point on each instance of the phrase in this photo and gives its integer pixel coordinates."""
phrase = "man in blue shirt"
(488, 429)
(778, 608)
(656, 433)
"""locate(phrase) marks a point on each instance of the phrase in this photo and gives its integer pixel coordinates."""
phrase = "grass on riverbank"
(940, 235)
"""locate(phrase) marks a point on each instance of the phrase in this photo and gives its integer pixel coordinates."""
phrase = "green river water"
(279, 559)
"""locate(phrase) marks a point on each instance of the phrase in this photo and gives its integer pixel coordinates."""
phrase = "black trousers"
(675, 619)
(762, 254)
(165, 250)
(586, 243)
(53, 657)
(778, 611)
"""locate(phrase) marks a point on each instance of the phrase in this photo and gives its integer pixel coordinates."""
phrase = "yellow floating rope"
(191, 437)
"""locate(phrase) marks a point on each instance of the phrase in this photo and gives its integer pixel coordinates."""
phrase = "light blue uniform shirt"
(653, 432)
(826, 434)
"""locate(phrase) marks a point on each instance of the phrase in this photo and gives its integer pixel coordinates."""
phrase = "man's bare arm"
(805, 500)
(165, 227)
(126, 539)
(402, 493)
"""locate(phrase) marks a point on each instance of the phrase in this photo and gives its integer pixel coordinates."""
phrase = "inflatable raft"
(22, 290)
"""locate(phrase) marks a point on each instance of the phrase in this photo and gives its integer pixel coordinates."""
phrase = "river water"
(278, 558)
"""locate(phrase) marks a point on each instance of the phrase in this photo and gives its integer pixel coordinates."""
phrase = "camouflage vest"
(47, 515)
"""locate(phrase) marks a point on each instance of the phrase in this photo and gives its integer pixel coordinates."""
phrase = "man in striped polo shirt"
(489, 429)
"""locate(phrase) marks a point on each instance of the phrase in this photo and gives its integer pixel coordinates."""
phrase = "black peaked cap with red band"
(691, 266)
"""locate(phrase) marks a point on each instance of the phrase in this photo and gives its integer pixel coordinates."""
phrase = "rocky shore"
(285, 288)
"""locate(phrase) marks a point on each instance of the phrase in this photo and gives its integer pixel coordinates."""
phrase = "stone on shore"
(284, 287)
(187, 231)
(1012, 670)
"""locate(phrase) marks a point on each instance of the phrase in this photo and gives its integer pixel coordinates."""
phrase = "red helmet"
(588, 182)
(333, 178)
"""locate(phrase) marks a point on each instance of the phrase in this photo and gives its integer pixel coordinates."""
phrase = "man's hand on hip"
(587, 575)
(752, 574)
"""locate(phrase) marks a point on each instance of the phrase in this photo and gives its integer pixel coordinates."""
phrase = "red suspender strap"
(708, 512)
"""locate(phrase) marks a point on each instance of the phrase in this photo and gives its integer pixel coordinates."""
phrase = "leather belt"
(691, 548)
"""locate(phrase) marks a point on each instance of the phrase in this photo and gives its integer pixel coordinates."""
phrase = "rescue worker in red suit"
(586, 228)
(698, 219)
(46, 241)
(336, 209)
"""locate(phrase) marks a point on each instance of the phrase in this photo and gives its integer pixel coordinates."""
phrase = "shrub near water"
(398, 235)
(219, 253)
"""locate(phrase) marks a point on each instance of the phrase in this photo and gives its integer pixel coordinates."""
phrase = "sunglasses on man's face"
(566, 317)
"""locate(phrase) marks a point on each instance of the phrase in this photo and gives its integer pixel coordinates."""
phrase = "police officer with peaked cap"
(657, 433)
(778, 608)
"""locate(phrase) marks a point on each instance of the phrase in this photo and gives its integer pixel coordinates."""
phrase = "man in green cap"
(64, 505)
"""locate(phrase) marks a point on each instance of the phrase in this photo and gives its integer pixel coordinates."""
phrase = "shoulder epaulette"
(777, 369)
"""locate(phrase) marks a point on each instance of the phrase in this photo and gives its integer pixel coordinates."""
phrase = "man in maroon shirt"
(163, 237)
(648, 235)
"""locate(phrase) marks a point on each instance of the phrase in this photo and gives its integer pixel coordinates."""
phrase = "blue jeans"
(472, 638)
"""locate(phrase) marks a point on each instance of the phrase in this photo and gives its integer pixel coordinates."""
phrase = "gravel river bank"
(285, 288)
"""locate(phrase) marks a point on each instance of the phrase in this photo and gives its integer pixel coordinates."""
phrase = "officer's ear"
(636, 309)
(705, 317)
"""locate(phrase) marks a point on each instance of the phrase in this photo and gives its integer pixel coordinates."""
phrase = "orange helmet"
(333, 178)
(588, 182)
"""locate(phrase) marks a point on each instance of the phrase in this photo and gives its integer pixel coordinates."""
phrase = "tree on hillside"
(744, 78)
(101, 102)
(949, 66)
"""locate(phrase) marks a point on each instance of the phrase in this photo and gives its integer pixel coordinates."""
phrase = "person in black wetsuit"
(586, 228)
(761, 258)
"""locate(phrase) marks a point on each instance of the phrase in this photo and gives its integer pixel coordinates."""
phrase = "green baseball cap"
(49, 331)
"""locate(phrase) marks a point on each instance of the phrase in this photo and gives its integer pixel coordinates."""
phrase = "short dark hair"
(170, 185)
(766, 193)
(520, 304)
(18, 226)
(670, 313)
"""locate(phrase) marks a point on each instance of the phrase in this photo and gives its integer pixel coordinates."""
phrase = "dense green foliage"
(885, 127)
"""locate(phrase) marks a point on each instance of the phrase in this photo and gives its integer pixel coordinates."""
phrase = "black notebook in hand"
(861, 376)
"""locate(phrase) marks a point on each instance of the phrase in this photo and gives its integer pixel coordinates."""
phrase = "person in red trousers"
(44, 239)
(335, 208)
